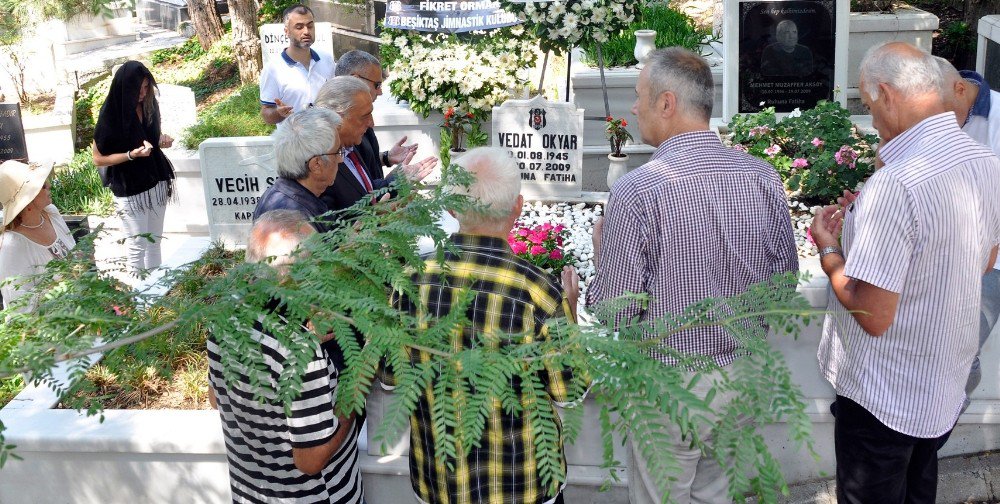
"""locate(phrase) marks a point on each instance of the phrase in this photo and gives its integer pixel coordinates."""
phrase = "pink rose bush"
(541, 245)
(797, 146)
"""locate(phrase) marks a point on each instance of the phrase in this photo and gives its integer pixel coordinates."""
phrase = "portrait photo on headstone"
(786, 54)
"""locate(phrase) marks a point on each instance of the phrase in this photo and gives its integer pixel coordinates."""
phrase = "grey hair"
(291, 226)
(684, 73)
(302, 136)
(910, 74)
(296, 9)
(496, 187)
(949, 76)
(338, 94)
(355, 61)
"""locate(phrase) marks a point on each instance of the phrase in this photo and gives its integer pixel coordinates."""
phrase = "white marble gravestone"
(235, 172)
(765, 69)
(273, 40)
(177, 109)
(546, 140)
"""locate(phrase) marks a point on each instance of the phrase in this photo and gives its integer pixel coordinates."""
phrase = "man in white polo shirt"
(290, 83)
(905, 288)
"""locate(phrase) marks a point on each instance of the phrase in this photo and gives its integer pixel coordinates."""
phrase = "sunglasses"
(377, 84)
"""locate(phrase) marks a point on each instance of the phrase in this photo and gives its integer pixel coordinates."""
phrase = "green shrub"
(818, 152)
(673, 28)
(189, 51)
(237, 115)
(77, 189)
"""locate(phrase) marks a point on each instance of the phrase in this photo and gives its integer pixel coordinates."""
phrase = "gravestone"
(546, 140)
(12, 145)
(177, 109)
(273, 40)
(786, 54)
(447, 17)
(988, 50)
(235, 172)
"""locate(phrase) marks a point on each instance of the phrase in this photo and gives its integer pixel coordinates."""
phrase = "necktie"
(361, 170)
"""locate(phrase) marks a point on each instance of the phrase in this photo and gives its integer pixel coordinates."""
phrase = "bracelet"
(128, 154)
(385, 159)
(830, 250)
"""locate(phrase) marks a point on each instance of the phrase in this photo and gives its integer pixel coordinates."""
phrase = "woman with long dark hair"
(128, 140)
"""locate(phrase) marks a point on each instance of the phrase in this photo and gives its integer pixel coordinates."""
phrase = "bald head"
(957, 93)
(908, 69)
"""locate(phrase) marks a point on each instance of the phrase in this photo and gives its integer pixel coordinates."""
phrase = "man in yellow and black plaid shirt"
(510, 296)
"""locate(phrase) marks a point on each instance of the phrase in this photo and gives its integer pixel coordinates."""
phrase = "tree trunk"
(207, 24)
(246, 39)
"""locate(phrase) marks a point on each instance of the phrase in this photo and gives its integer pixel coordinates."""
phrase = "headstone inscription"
(447, 17)
(786, 54)
(177, 109)
(546, 140)
(235, 172)
(273, 40)
(12, 145)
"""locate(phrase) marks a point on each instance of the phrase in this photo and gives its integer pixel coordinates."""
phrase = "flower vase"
(618, 166)
(645, 43)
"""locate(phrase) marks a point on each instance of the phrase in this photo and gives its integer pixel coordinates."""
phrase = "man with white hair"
(905, 287)
(786, 57)
(350, 97)
(698, 220)
(304, 454)
(511, 298)
(308, 151)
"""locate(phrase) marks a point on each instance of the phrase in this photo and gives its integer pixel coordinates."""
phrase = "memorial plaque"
(991, 71)
(447, 17)
(12, 145)
(546, 139)
(786, 54)
(273, 40)
(177, 109)
(235, 172)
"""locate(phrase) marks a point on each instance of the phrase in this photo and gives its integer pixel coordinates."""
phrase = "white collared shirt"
(288, 80)
(354, 169)
(923, 228)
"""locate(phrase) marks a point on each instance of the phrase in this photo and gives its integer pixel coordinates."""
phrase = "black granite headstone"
(992, 68)
(12, 144)
(786, 54)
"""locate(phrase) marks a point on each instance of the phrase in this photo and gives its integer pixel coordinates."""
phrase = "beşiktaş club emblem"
(536, 118)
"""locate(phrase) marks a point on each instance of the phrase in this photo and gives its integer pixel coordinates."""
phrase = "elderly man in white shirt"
(906, 285)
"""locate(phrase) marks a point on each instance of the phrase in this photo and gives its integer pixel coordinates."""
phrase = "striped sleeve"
(313, 422)
(624, 264)
(885, 230)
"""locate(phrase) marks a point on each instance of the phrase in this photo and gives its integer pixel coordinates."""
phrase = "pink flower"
(546, 227)
(558, 229)
(519, 247)
(800, 163)
(772, 150)
(537, 250)
(522, 232)
(536, 237)
(556, 254)
(118, 310)
(809, 236)
(740, 147)
(846, 156)
(817, 142)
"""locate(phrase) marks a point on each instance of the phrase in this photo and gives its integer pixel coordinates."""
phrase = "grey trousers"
(989, 312)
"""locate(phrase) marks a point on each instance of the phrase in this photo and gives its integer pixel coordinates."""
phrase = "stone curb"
(971, 478)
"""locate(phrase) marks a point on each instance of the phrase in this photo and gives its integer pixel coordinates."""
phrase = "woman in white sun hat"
(34, 232)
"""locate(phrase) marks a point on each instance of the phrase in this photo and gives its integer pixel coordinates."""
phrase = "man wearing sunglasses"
(366, 67)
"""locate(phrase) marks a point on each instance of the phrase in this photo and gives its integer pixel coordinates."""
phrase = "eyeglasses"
(340, 153)
(377, 84)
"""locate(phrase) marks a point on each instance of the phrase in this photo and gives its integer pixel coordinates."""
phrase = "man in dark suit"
(361, 171)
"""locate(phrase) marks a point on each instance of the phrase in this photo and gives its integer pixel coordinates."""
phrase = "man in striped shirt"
(512, 301)
(309, 456)
(916, 243)
(698, 220)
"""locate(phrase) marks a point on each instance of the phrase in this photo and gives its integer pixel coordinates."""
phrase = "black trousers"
(876, 464)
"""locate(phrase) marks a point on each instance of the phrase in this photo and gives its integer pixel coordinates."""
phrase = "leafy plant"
(673, 28)
(541, 245)
(77, 188)
(190, 50)
(236, 115)
(458, 124)
(873, 5)
(341, 282)
(818, 152)
(617, 134)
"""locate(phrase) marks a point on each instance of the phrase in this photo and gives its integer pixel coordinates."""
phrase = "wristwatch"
(385, 159)
(830, 250)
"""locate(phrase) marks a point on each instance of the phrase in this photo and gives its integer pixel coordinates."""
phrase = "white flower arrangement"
(472, 72)
(562, 24)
